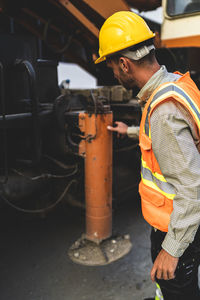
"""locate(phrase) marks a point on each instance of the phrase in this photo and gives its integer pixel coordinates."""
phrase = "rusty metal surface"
(80, 17)
(63, 33)
(144, 5)
(70, 28)
(107, 7)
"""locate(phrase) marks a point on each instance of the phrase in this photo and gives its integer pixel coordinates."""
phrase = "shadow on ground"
(35, 266)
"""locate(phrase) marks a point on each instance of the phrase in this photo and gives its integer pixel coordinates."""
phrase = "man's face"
(121, 74)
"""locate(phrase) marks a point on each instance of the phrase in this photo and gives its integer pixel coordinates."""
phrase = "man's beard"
(128, 83)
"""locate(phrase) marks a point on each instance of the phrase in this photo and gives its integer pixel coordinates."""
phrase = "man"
(170, 144)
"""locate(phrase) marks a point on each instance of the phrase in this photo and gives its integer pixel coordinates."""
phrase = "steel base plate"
(89, 253)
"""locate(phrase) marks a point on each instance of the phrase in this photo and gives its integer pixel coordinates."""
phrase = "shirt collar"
(152, 84)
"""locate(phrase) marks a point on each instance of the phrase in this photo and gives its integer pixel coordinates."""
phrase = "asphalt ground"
(34, 264)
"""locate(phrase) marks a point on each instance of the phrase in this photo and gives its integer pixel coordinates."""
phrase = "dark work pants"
(185, 285)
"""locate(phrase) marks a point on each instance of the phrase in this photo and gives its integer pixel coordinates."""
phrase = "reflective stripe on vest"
(152, 179)
(156, 181)
(156, 193)
(167, 91)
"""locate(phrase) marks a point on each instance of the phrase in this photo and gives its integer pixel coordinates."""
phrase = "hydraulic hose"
(41, 210)
(27, 66)
(3, 107)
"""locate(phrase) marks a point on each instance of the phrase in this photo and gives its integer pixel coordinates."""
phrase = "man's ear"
(124, 64)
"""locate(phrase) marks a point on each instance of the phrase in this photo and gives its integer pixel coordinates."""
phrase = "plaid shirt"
(176, 146)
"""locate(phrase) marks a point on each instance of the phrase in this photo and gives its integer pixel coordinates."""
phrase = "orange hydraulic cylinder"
(98, 175)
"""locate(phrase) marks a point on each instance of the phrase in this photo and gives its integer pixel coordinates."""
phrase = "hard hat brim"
(100, 59)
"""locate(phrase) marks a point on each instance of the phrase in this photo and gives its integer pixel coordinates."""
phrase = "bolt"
(76, 254)
(127, 236)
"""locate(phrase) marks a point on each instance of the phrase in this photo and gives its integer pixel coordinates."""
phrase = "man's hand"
(164, 266)
(121, 129)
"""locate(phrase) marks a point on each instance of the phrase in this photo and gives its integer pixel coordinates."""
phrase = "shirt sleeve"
(133, 132)
(179, 160)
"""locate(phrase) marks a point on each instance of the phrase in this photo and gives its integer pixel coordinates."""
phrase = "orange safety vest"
(156, 193)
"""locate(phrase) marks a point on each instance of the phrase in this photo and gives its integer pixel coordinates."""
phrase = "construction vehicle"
(49, 144)
(180, 34)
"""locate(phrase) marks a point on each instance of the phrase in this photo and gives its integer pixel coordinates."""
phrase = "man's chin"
(127, 85)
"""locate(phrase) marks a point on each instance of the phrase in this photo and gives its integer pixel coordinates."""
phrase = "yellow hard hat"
(120, 31)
